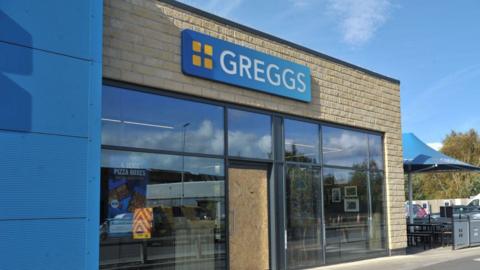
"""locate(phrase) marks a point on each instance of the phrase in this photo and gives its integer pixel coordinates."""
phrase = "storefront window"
(161, 212)
(249, 134)
(143, 120)
(163, 176)
(346, 214)
(378, 231)
(375, 148)
(304, 216)
(343, 147)
(301, 141)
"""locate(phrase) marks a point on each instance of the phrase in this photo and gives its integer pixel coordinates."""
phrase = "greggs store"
(223, 147)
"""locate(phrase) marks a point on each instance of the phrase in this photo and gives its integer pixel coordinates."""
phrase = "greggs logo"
(211, 58)
(202, 55)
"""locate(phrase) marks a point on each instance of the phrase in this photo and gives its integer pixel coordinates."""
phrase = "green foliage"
(464, 147)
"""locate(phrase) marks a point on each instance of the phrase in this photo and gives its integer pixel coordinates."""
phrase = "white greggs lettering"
(221, 61)
(255, 70)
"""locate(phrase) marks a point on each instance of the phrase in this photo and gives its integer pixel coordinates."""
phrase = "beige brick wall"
(142, 46)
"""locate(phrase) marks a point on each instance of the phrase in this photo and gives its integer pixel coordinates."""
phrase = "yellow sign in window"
(142, 223)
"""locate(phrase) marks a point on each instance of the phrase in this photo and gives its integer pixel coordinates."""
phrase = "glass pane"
(249, 134)
(375, 147)
(342, 147)
(378, 230)
(304, 230)
(143, 120)
(346, 214)
(161, 212)
(301, 141)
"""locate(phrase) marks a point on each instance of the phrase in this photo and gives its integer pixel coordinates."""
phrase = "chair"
(447, 235)
(419, 235)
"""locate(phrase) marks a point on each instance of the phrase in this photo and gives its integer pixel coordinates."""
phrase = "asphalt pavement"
(434, 259)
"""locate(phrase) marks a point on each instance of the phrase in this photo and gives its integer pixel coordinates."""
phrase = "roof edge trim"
(274, 38)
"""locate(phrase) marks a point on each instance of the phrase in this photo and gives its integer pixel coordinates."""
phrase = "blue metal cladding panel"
(48, 244)
(42, 176)
(43, 92)
(94, 136)
(53, 25)
(50, 103)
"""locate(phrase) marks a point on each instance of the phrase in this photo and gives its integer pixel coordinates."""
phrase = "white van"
(474, 201)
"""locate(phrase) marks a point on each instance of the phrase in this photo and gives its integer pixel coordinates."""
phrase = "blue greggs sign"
(211, 58)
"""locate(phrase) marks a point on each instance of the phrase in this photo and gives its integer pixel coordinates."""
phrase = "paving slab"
(439, 258)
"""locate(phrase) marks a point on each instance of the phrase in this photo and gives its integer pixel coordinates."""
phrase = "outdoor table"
(429, 232)
(425, 231)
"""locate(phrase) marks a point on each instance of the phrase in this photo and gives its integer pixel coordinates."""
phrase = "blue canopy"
(419, 157)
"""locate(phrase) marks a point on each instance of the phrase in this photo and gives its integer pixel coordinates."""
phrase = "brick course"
(142, 46)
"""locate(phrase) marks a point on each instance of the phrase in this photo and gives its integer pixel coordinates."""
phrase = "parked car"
(119, 226)
(418, 211)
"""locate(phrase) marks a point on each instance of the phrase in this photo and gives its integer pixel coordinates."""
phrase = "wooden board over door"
(248, 218)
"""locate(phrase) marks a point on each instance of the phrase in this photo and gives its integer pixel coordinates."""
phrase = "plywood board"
(248, 217)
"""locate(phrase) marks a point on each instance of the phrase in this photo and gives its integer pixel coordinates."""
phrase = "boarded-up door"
(248, 217)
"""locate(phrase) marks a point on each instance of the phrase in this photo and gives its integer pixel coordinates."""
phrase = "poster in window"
(336, 195)
(351, 205)
(351, 191)
(126, 192)
(142, 223)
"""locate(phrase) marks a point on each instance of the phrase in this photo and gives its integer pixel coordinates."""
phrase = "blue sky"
(432, 47)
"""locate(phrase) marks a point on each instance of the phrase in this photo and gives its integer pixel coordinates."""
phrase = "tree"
(464, 147)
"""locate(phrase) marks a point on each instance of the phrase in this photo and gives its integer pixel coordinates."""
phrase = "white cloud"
(203, 137)
(345, 148)
(248, 144)
(360, 19)
(435, 145)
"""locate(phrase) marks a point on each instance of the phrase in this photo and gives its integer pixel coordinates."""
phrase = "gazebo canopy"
(419, 157)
